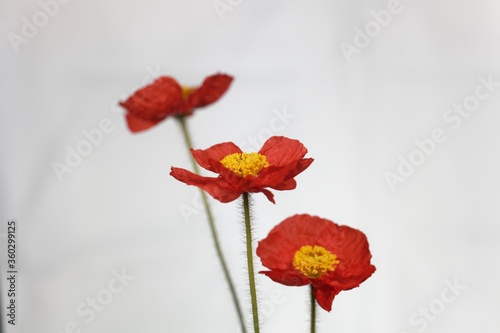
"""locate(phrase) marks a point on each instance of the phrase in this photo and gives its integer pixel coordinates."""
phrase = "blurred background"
(397, 102)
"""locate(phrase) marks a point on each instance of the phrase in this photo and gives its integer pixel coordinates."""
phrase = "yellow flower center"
(314, 261)
(245, 164)
(186, 91)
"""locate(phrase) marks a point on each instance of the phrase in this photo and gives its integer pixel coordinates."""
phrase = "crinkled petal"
(324, 296)
(156, 101)
(285, 185)
(216, 187)
(352, 250)
(137, 124)
(347, 282)
(281, 178)
(287, 277)
(269, 195)
(207, 157)
(212, 88)
(351, 247)
(281, 151)
(299, 167)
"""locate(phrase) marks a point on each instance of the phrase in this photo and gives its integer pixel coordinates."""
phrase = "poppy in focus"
(305, 249)
(165, 97)
(275, 165)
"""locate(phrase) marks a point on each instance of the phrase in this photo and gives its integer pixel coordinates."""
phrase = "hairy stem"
(213, 229)
(251, 273)
(313, 311)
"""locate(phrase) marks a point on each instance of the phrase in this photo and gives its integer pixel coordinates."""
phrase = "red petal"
(155, 101)
(136, 124)
(286, 185)
(351, 247)
(299, 167)
(207, 158)
(340, 282)
(282, 151)
(281, 178)
(212, 88)
(269, 195)
(213, 186)
(287, 277)
(324, 296)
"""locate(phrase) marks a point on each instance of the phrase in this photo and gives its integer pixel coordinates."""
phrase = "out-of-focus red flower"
(275, 165)
(305, 249)
(165, 97)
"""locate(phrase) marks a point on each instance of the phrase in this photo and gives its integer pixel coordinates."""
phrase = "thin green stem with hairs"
(313, 311)
(251, 273)
(213, 229)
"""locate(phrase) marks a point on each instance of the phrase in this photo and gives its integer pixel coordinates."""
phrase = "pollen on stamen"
(187, 91)
(244, 164)
(314, 261)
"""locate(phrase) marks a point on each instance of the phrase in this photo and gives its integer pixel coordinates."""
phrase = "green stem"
(313, 312)
(213, 230)
(251, 277)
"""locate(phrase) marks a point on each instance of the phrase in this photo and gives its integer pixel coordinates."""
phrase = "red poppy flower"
(274, 166)
(306, 249)
(165, 97)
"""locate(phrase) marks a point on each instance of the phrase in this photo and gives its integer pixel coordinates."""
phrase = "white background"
(119, 208)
